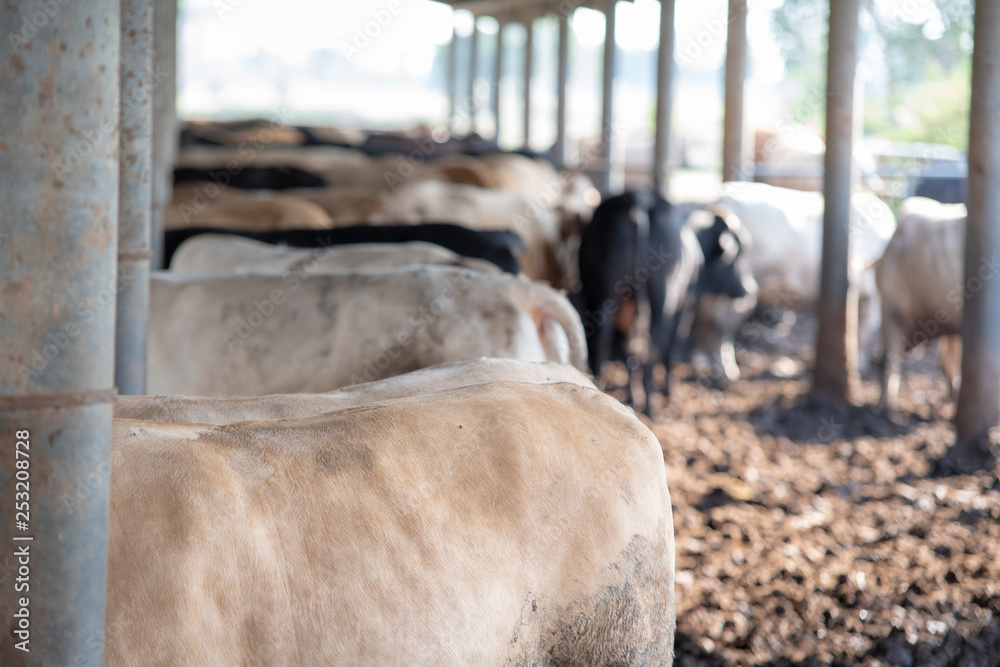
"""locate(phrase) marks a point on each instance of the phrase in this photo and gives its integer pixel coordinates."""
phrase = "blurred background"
(237, 59)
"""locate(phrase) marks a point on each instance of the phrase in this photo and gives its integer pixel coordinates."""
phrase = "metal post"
(452, 79)
(559, 148)
(978, 407)
(836, 341)
(664, 97)
(164, 116)
(497, 78)
(607, 109)
(736, 65)
(529, 38)
(134, 196)
(58, 239)
(473, 67)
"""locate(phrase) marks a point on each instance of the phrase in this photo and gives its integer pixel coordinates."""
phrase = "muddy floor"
(813, 535)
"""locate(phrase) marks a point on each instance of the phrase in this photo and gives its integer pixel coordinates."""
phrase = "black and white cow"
(643, 269)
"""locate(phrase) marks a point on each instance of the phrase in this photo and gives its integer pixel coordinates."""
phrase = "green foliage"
(923, 85)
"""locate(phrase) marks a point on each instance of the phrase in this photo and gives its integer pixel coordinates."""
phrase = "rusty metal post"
(58, 239)
(164, 77)
(664, 96)
(529, 39)
(736, 67)
(562, 75)
(836, 340)
(497, 78)
(473, 68)
(607, 178)
(979, 397)
(134, 196)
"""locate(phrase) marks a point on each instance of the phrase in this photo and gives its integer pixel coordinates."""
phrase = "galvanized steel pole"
(529, 39)
(607, 109)
(134, 195)
(164, 116)
(473, 67)
(836, 340)
(58, 239)
(664, 96)
(562, 74)
(452, 79)
(497, 78)
(979, 397)
(736, 66)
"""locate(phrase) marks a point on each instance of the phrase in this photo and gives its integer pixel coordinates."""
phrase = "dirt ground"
(814, 535)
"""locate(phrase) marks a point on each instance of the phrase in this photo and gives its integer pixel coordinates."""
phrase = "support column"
(529, 38)
(836, 341)
(134, 196)
(562, 75)
(497, 78)
(58, 240)
(979, 397)
(452, 79)
(736, 66)
(473, 67)
(164, 116)
(664, 97)
(608, 178)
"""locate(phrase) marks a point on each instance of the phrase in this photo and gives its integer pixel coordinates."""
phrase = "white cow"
(499, 524)
(217, 254)
(920, 278)
(198, 409)
(261, 334)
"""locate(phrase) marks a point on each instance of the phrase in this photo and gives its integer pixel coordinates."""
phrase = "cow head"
(726, 245)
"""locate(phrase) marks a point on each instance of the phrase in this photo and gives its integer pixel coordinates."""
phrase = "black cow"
(643, 269)
(500, 247)
(253, 178)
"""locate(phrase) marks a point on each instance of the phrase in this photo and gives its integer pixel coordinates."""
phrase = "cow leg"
(950, 358)
(892, 332)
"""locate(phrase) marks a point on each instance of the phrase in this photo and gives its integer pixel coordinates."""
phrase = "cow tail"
(559, 327)
(642, 204)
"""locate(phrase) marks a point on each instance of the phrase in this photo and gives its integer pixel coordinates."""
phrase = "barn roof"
(519, 8)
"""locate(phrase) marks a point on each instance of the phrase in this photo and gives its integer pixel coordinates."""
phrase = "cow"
(726, 291)
(355, 205)
(501, 248)
(253, 177)
(219, 254)
(244, 212)
(921, 282)
(639, 265)
(222, 410)
(646, 270)
(251, 334)
(504, 523)
(481, 209)
(787, 228)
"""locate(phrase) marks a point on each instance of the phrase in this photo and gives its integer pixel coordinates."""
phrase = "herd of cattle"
(375, 431)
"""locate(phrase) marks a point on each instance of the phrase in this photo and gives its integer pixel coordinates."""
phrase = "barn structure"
(88, 136)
